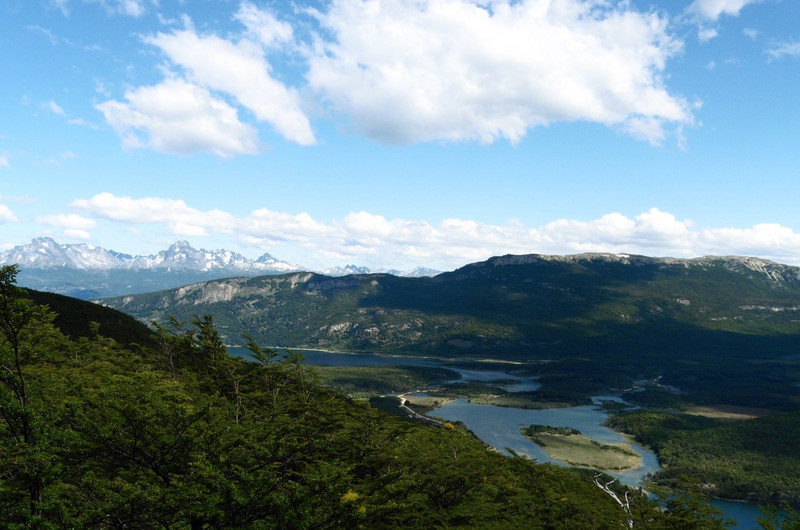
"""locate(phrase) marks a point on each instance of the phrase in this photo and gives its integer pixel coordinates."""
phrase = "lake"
(500, 426)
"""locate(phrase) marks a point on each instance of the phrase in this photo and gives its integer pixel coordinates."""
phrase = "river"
(500, 426)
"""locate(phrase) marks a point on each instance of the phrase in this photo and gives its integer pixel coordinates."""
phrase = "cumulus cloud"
(713, 9)
(177, 116)
(463, 70)
(209, 67)
(241, 70)
(6, 215)
(429, 70)
(67, 221)
(175, 215)
(766, 239)
(373, 240)
(74, 226)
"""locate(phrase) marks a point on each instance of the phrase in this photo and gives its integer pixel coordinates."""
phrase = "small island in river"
(570, 446)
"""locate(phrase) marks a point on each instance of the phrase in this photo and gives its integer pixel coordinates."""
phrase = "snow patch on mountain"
(45, 253)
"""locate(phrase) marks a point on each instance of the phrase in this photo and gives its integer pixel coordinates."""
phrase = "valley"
(689, 358)
(591, 323)
(483, 403)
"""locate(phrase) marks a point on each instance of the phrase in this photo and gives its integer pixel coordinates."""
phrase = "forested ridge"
(754, 460)
(723, 330)
(96, 434)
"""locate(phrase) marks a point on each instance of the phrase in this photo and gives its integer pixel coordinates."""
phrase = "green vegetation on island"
(570, 446)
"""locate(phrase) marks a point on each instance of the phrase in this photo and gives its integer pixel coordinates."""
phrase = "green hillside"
(723, 329)
(181, 435)
(75, 317)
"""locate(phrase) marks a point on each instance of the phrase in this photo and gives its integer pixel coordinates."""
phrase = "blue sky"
(391, 133)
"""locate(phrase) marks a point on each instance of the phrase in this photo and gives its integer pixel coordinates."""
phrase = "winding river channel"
(500, 426)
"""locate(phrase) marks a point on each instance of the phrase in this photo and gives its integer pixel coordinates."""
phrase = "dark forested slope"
(729, 326)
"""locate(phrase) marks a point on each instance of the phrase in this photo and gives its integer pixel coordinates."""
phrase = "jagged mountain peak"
(46, 253)
(346, 270)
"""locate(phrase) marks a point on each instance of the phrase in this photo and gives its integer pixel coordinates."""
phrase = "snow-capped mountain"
(182, 255)
(419, 272)
(89, 271)
(345, 271)
(45, 253)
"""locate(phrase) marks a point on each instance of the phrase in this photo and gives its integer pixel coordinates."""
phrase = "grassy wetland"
(570, 446)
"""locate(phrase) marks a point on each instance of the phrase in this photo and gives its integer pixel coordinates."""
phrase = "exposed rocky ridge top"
(773, 272)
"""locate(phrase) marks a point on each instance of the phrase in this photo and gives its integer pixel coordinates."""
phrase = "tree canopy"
(95, 434)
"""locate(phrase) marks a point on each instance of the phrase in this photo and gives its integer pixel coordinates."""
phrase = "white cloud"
(768, 239)
(175, 215)
(67, 221)
(179, 117)
(74, 233)
(74, 226)
(461, 70)
(784, 49)
(241, 70)
(706, 34)
(101, 87)
(53, 107)
(62, 5)
(131, 8)
(6, 215)
(82, 123)
(713, 9)
(56, 161)
(212, 65)
(269, 226)
(263, 26)
(46, 32)
(4, 161)
(373, 240)
(751, 33)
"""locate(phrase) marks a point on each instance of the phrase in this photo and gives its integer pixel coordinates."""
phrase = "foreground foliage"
(97, 435)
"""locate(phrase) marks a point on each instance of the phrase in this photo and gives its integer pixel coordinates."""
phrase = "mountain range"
(614, 318)
(88, 271)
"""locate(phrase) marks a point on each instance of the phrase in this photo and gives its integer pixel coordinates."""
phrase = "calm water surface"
(500, 427)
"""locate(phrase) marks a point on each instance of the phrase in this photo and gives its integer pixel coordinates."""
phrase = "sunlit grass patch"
(572, 447)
